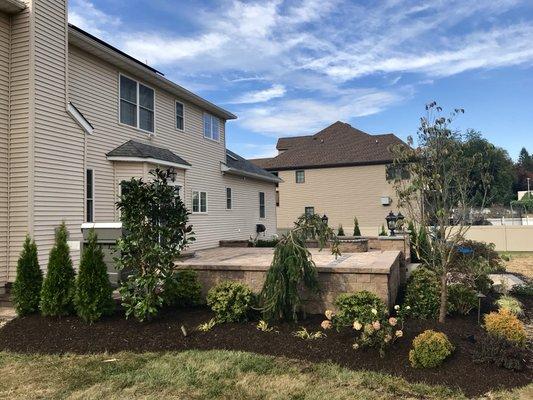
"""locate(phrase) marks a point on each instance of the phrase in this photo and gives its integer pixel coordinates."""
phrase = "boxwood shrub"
(430, 349)
(230, 301)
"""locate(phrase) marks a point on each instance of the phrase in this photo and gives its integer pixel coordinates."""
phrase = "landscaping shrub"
(58, 290)
(266, 243)
(93, 297)
(341, 231)
(482, 250)
(383, 232)
(423, 293)
(230, 301)
(499, 351)
(183, 289)
(356, 230)
(506, 325)
(461, 299)
(511, 304)
(523, 290)
(29, 280)
(430, 349)
(358, 307)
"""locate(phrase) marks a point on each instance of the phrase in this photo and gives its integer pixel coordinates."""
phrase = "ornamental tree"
(437, 194)
(29, 280)
(155, 224)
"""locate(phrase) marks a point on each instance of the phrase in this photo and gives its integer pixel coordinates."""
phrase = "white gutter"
(232, 171)
(148, 160)
(101, 225)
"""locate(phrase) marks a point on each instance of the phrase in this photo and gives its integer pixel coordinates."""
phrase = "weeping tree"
(437, 194)
(293, 269)
(155, 222)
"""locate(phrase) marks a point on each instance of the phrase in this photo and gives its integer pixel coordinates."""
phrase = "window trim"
(200, 202)
(203, 127)
(264, 205)
(230, 198)
(296, 176)
(176, 116)
(87, 199)
(138, 106)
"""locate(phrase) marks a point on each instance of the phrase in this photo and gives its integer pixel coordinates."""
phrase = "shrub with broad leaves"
(505, 325)
(423, 293)
(231, 301)
(363, 306)
(430, 349)
(500, 352)
(182, 289)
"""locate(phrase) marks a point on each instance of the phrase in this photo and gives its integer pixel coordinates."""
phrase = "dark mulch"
(36, 334)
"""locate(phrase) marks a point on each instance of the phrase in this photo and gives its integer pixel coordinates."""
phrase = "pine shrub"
(430, 349)
(29, 280)
(341, 231)
(423, 293)
(59, 285)
(356, 230)
(505, 325)
(93, 297)
(230, 301)
(182, 289)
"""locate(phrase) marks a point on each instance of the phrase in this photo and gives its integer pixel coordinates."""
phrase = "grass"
(203, 375)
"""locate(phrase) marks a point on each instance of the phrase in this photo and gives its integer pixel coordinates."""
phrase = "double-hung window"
(309, 211)
(211, 127)
(89, 196)
(300, 176)
(262, 212)
(229, 199)
(199, 202)
(180, 116)
(137, 104)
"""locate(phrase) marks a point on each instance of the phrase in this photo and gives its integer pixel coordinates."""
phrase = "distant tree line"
(496, 167)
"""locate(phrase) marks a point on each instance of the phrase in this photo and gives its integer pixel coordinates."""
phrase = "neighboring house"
(78, 117)
(340, 171)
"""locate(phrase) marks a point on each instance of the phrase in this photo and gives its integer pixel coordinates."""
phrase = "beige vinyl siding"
(58, 142)
(340, 193)
(19, 125)
(94, 89)
(5, 40)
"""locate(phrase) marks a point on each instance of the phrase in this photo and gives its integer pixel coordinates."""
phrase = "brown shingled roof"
(337, 145)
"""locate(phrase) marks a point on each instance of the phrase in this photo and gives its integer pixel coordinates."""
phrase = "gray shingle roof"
(133, 149)
(337, 145)
(238, 164)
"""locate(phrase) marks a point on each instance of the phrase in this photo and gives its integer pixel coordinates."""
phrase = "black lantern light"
(391, 222)
(400, 218)
(325, 219)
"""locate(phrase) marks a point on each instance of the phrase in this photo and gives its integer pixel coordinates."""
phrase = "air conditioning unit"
(386, 200)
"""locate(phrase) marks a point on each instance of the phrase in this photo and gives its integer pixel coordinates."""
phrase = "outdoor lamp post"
(391, 222)
(479, 297)
(325, 219)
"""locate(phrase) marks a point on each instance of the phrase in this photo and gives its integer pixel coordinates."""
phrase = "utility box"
(108, 234)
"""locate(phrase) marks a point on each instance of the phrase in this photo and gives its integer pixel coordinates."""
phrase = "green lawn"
(202, 375)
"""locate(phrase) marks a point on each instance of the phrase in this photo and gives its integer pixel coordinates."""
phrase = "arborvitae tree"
(59, 285)
(29, 280)
(93, 297)
(341, 231)
(383, 232)
(356, 230)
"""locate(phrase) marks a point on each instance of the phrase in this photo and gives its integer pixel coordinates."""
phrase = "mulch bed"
(36, 334)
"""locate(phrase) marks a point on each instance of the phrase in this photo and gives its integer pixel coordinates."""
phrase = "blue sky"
(292, 67)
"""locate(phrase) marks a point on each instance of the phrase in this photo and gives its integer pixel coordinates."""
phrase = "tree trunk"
(443, 297)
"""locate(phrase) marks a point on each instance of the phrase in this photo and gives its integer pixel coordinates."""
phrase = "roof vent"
(321, 140)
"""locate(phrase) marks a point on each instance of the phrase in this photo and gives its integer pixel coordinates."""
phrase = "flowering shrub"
(430, 349)
(364, 307)
(506, 325)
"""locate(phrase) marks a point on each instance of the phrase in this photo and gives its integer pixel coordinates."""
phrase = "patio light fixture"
(393, 221)
(479, 297)
(325, 219)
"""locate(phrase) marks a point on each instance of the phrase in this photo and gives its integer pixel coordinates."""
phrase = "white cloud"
(86, 16)
(305, 116)
(253, 150)
(261, 96)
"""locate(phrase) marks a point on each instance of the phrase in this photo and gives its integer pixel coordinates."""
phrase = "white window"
(199, 202)
(300, 176)
(89, 196)
(262, 212)
(229, 200)
(180, 116)
(137, 104)
(211, 128)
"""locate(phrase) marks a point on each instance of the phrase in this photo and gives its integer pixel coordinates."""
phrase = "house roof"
(335, 146)
(127, 63)
(11, 6)
(142, 152)
(237, 165)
